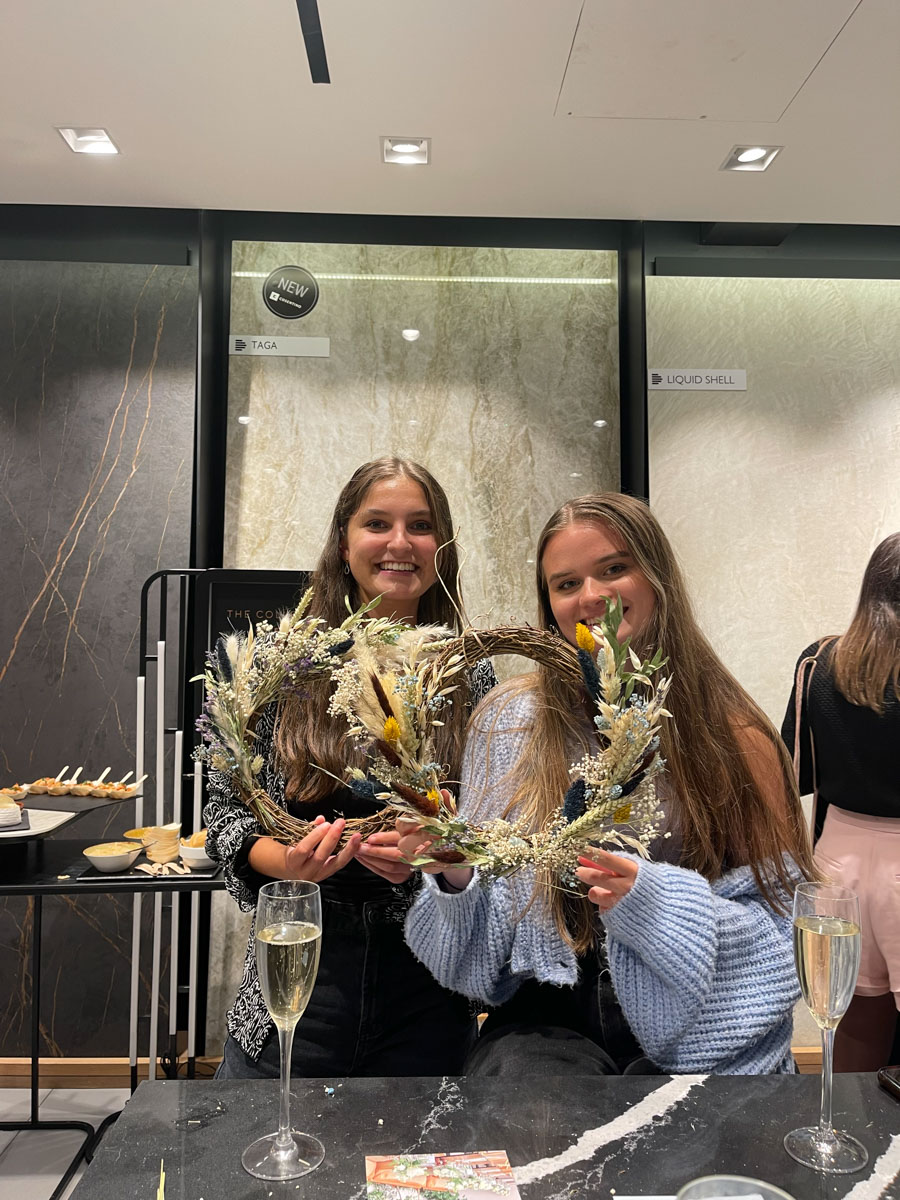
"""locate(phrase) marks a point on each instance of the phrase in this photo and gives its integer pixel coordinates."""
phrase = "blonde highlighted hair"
(723, 817)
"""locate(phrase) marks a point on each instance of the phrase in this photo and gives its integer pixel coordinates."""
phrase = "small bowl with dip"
(112, 856)
(193, 852)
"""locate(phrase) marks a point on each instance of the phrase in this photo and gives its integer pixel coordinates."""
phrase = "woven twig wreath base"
(539, 645)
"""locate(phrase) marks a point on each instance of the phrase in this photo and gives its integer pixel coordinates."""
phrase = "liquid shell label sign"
(290, 292)
(696, 379)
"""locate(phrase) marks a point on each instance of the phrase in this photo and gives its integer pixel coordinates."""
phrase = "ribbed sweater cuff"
(653, 906)
(431, 884)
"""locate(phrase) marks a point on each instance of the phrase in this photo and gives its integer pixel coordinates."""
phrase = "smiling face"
(390, 544)
(582, 565)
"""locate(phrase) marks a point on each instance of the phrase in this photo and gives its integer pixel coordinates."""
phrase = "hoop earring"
(346, 568)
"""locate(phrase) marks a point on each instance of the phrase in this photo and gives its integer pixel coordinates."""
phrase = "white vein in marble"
(635, 1120)
(885, 1171)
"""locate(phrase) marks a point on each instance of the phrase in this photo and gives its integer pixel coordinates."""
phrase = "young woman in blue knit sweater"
(680, 964)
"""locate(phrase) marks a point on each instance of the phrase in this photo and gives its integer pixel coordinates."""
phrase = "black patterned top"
(232, 830)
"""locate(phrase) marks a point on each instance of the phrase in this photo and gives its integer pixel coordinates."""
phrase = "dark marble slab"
(96, 450)
(566, 1137)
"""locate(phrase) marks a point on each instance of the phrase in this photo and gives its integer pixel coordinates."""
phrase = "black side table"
(39, 868)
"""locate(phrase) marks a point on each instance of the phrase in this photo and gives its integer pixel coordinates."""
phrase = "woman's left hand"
(609, 877)
(380, 854)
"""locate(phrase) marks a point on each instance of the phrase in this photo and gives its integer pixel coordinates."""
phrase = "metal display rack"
(188, 608)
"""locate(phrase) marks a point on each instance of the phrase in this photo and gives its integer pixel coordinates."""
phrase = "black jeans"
(375, 1010)
(549, 1030)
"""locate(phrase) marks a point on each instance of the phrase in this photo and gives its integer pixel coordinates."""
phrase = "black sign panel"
(229, 600)
(290, 292)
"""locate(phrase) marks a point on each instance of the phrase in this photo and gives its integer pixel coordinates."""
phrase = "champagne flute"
(826, 951)
(288, 940)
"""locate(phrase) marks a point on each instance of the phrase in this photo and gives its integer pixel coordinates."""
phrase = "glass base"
(839, 1154)
(264, 1160)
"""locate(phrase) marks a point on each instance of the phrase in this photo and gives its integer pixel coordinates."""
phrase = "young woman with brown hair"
(374, 1009)
(843, 725)
(682, 963)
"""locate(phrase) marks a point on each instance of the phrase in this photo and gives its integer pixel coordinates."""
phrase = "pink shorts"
(863, 853)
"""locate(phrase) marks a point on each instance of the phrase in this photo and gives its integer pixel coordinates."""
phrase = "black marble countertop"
(566, 1137)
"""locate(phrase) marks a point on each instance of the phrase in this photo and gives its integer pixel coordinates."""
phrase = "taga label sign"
(290, 292)
(279, 347)
(697, 379)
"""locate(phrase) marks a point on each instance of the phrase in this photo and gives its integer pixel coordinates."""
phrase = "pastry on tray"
(17, 792)
(40, 787)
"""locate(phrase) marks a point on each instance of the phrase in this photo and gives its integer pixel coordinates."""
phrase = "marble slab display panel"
(517, 356)
(96, 438)
(774, 498)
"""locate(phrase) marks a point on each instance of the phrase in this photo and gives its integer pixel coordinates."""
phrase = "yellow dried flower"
(584, 639)
(392, 731)
(622, 814)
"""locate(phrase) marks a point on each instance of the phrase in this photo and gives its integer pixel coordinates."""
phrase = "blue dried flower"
(223, 661)
(589, 674)
(340, 648)
(363, 789)
(573, 805)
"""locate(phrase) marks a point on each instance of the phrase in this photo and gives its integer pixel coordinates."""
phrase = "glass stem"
(826, 1124)
(284, 1141)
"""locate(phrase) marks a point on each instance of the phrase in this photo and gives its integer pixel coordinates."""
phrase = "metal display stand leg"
(91, 1136)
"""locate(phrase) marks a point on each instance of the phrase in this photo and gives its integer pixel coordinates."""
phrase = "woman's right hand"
(314, 857)
(414, 841)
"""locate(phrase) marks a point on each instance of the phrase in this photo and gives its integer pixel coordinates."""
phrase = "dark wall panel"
(97, 366)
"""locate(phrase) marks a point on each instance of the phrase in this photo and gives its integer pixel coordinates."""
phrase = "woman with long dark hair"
(683, 963)
(843, 726)
(374, 1010)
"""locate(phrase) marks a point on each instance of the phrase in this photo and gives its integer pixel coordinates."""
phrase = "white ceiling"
(536, 108)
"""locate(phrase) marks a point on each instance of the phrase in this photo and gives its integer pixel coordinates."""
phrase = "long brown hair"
(306, 738)
(867, 657)
(722, 814)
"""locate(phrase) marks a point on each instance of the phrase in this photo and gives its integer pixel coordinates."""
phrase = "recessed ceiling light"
(574, 474)
(409, 335)
(599, 424)
(411, 151)
(87, 141)
(243, 420)
(750, 158)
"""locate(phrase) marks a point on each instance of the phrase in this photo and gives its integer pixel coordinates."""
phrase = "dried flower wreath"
(393, 682)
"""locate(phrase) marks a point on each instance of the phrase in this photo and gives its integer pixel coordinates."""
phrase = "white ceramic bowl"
(196, 857)
(112, 856)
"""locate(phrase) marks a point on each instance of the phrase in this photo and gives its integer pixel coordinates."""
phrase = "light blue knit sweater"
(704, 971)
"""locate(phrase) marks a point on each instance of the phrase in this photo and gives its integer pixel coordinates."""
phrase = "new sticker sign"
(290, 292)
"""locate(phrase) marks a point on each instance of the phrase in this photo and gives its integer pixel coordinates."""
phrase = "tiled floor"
(32, 1162)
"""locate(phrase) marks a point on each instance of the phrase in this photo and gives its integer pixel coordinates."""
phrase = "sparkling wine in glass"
(288, 940)
(826, 952)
